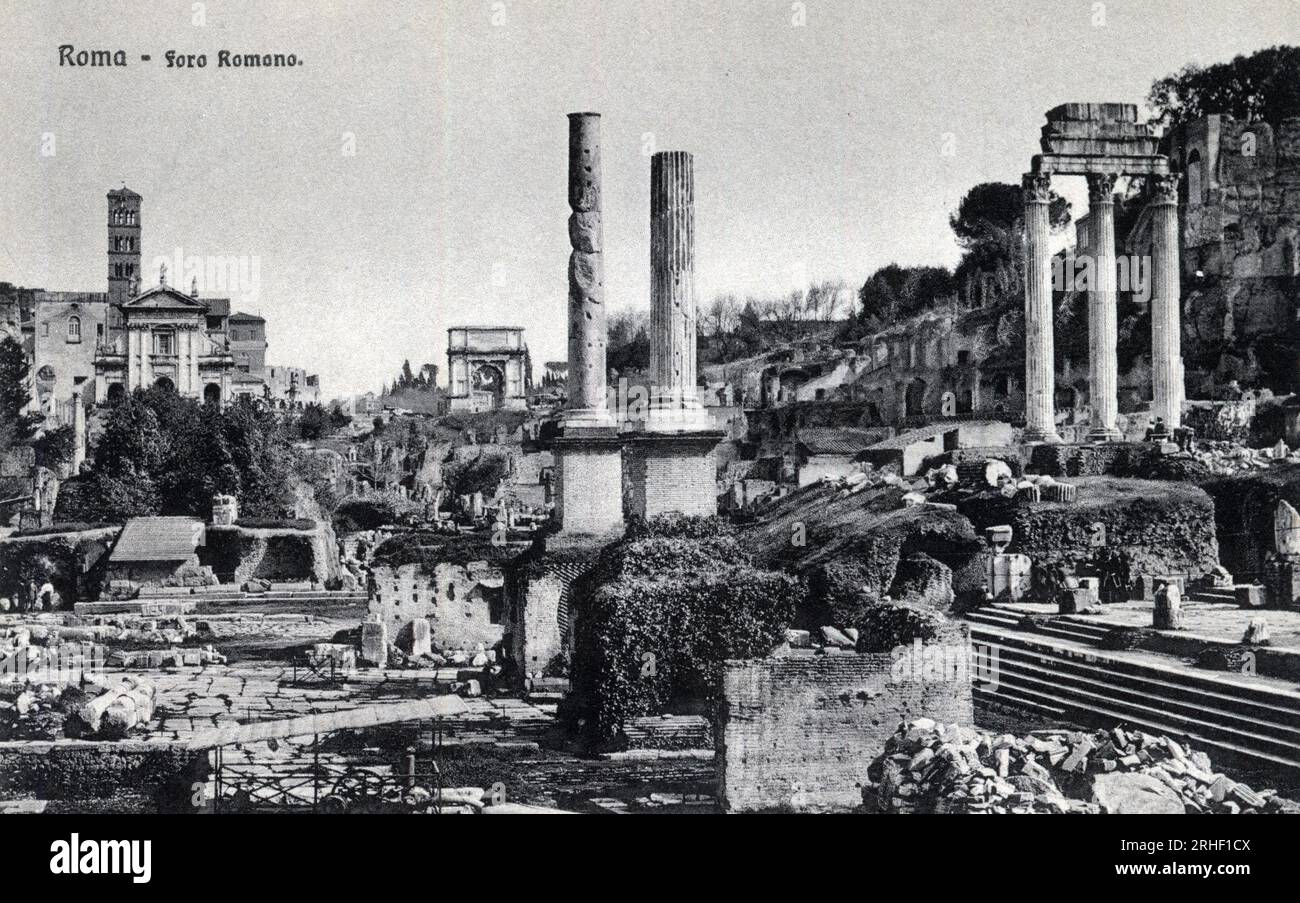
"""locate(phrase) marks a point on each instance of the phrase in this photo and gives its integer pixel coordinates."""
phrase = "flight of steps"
(1055, 671)
(184, 602)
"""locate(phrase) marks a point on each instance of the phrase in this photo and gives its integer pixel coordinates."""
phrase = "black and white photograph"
(741, 408)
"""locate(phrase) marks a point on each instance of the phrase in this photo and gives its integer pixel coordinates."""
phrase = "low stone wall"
(83, 770)
(1120, 459)
(798, 732)
(1166, 528)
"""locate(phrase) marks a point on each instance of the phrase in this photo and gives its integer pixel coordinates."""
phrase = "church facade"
(165, 342)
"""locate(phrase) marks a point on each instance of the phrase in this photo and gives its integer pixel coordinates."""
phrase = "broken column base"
(589, 481)
(1282, 580)
(672, 473)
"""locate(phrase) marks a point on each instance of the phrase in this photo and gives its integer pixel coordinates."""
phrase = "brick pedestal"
(589, 481)
(674, 473)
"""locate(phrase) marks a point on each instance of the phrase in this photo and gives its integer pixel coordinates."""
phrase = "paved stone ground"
(1208, 619)
(191, 701)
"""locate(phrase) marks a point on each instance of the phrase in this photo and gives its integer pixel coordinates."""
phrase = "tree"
(16, 392)
(1263, 86)
(629, 341)
(313, 422)
(992, 208)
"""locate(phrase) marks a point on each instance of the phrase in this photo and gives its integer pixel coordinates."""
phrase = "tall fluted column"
(586, 406)
(1166, 303)
(1040, 378)
(1102, 331)
(675, 404)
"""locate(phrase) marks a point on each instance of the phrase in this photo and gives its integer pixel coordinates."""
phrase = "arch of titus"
(1102, 142)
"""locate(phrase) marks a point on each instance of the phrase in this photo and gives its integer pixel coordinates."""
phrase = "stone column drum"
(1166, 321)
(587, 335)
(1102, 329)
(1040, 379)
(674, 404)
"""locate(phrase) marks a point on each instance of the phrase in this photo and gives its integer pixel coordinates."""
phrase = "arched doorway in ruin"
(915, 397)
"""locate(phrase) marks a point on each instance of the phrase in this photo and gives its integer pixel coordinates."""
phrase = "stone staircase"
(1055, 671)
(184, 601)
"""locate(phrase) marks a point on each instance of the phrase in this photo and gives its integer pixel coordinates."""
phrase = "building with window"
(67, 328)
(167, 342)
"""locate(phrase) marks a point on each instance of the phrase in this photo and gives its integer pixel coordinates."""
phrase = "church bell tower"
(123, 244)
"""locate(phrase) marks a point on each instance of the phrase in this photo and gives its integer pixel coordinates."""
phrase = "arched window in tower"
(74, 329)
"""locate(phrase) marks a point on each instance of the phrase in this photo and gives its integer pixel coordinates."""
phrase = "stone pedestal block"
(1075, 600)
(1250, 595)
(421, 638)
(374, 642)
(1282, 580)
(589, 483)
(1168, 613)
(1009, 575)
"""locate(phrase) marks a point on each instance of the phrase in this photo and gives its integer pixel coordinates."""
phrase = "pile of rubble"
(987, 475)
(1228, 458)
(927, 767)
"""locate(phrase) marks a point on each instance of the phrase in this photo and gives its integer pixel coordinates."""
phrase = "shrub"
(660, 614)
(367, 512)
(883, 626)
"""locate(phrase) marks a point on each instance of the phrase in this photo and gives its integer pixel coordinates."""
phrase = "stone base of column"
(672, 473)
(579, 419)
(588, 481)
(1102, 434)
(1036, 435)
(669, 418)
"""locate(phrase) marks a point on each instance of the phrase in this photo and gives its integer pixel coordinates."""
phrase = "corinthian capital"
(1164, 188)
(1101, 187)
(1036, 187)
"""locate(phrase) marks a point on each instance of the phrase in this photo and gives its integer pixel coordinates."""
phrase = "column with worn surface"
(1102, 330)
(587, 337)
(1166, 320)
(1040, 365)
(588, 451)
(674, 404)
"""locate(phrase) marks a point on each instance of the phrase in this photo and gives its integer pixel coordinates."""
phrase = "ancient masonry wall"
(463, 604)
(537, 635)
(799, 732)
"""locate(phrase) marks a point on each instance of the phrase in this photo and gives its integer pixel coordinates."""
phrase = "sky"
(410, 174)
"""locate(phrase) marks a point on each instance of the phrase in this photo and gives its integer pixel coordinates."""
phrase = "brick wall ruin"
(798, 732)
(463, 604)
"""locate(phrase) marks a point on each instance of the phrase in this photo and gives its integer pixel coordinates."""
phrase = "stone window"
(164, 342)
(74, 329)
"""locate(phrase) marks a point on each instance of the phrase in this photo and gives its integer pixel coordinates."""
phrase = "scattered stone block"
(1256, 632)
(374, 642)
(1168, 613)
(1249, 595)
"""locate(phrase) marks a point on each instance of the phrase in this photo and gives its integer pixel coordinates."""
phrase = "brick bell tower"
(123, 245)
